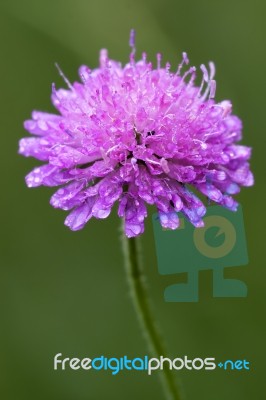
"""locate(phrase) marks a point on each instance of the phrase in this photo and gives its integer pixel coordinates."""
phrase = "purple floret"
(138, 135)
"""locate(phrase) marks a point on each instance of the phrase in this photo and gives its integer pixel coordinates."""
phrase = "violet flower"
(138, 135)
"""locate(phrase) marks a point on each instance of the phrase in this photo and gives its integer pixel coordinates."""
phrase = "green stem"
(141, 302)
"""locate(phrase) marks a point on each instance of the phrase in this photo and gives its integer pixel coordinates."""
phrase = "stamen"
(203, 145)
(191, 71)
(103, 58)
(193, 75)
(212, 69)
(164, 165)
(205, 78)
(132, 39)
(212, 89)
(153, 162)
(159, 58)
(133, 163)
(227, 107)
(60, 101)
(185, 60)
(104, 155)
(144, 57)
(64, 77)
(54, 89)
(205, 73)
(132, 45)
(201, 86)
(207, 90)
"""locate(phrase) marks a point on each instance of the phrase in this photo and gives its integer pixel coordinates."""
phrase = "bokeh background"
(66, 292)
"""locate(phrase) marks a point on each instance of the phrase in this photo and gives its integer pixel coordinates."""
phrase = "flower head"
(138, 135)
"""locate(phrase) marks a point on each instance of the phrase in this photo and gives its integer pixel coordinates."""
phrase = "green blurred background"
(66, 292)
